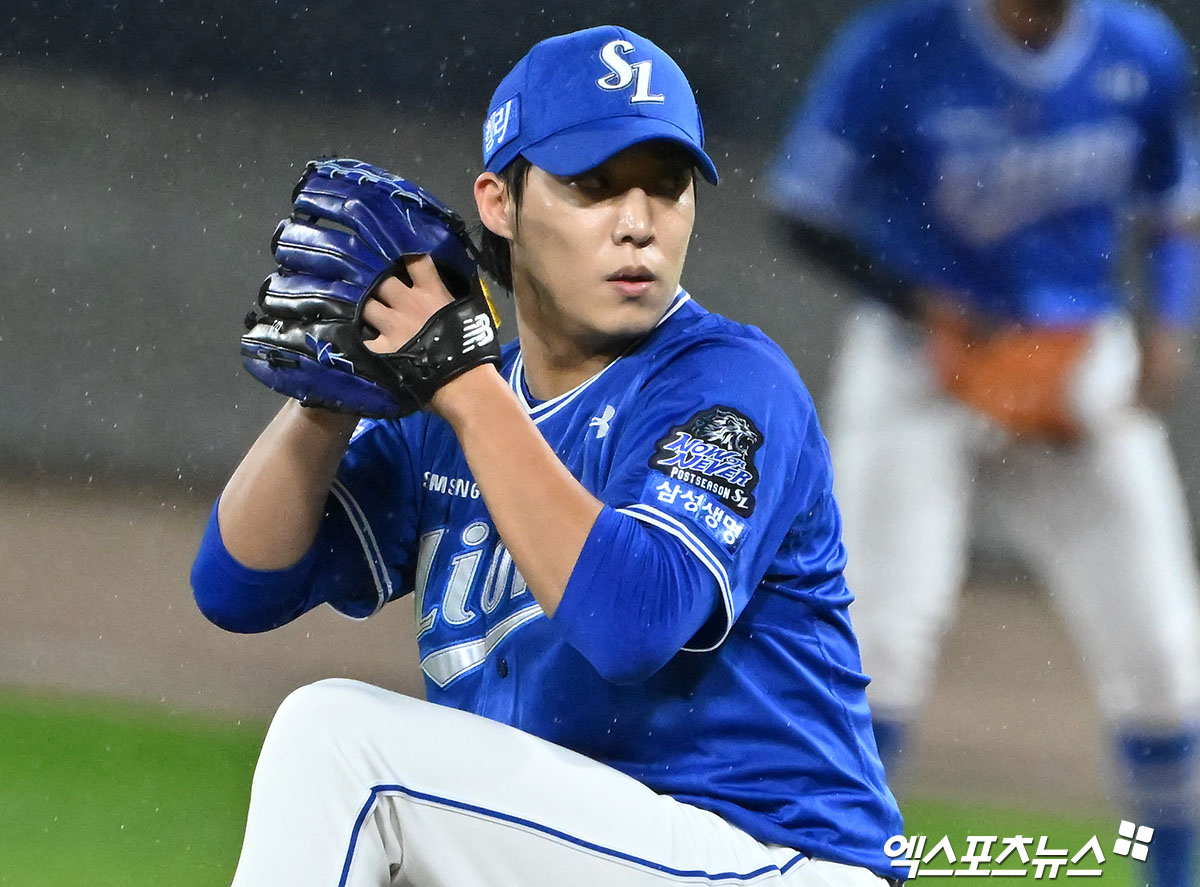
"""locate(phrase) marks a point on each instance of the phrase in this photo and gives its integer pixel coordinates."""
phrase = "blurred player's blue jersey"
(959, 159)
(703, 431)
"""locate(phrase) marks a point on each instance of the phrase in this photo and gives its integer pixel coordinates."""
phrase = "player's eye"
(674, 182)
(589, 183)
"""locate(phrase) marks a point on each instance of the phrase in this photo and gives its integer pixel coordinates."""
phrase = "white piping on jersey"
(541, 412)
(443, 666)
(550, 407)
(1044, 69)
(366, 538)
(654, 517)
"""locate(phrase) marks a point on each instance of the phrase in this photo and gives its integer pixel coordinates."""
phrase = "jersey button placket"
(502, 667)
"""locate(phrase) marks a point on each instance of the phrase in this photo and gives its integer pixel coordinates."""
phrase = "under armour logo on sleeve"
(600, 423)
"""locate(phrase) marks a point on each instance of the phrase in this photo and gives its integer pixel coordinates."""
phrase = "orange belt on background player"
(1017, 376)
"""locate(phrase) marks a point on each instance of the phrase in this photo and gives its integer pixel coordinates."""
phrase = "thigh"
(1108, 530)
(360, 786)
(903, 456)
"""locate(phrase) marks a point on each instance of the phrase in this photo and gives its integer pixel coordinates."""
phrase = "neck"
(556, 359)
(1031, 23)
(552, 370)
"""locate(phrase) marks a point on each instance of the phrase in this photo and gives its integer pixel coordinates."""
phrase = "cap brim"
(588, 145)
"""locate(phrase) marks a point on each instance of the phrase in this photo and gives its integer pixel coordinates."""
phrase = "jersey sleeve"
(368, 535)
(1167, 164)
(833, 131)
(724, 454)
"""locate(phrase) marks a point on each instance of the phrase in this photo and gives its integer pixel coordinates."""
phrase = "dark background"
(148, 148)
(742, 59)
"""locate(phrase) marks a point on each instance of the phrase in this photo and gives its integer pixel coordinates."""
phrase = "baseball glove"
(1020, 378)
(351, 226)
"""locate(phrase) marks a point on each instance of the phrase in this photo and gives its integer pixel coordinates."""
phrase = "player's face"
(597, 257)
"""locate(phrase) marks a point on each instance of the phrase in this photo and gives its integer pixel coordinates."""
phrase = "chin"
(622, 332)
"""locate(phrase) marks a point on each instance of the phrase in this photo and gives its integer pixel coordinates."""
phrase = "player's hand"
(1166, 356)
(398, 311)
(333, 329)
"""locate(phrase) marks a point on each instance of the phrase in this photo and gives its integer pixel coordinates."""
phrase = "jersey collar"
(547, 408)
(1047, 69)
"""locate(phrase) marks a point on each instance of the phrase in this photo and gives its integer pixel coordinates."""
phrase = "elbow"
(224, 607)
(237, 598)
(215, 607)
(629, 676)
(220, 616)
(627, 664)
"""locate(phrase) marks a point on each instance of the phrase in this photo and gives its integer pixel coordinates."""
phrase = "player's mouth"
(632, 280)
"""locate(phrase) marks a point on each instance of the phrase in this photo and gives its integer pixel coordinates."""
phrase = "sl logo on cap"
(623, 73)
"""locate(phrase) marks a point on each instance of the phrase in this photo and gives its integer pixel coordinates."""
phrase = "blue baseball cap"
(576, 100)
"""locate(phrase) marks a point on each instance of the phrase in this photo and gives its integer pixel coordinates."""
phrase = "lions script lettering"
(477, 579)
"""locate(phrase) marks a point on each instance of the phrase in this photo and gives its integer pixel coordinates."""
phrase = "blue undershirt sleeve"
(1174, 265)
(237, 598)
(634, 598)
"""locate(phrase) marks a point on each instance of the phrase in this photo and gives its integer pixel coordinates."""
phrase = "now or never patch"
(714, 451)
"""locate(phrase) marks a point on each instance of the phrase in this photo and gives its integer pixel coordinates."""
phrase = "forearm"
(542, 512)
(272, 506)
(1173, 258)
(842, 256)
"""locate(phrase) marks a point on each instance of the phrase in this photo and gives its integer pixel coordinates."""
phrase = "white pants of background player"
(1104, 526)
(360, 786)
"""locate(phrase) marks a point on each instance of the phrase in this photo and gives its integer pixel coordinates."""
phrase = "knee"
(317, 712)
(348, 732)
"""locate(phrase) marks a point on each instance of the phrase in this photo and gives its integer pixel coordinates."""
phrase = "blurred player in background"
(625, 557)
(972, 166)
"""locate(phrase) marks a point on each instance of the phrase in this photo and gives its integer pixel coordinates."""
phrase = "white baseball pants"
(360, 786)
(1104, 526)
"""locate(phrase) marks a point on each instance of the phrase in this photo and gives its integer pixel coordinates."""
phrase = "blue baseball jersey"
(959, 159)
(705, 432)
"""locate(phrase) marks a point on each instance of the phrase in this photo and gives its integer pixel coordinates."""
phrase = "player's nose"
(635, 218)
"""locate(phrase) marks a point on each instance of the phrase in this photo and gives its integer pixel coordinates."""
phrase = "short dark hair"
(495, 253)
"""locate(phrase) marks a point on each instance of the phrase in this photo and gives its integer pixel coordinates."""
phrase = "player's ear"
(495, 205)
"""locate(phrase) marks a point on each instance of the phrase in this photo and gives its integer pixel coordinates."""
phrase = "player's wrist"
(318, 420)
(465, 397)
